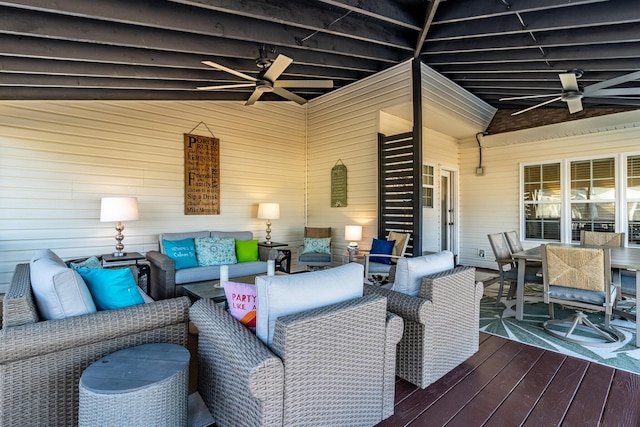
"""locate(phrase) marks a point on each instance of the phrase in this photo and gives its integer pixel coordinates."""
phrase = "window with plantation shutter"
(541, 200)
(633, 199)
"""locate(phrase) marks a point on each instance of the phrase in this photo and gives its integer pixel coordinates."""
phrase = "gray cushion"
(410, 271)
(571, 294)
(238, 235)
(58, 290)
(314, 257)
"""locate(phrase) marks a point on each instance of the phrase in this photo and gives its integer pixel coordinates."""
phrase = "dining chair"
(507, 267)
(580, 278)
(515, 245)
(601, 238)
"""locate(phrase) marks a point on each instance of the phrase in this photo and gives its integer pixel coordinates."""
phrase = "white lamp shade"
(353, 232)
(115, 209)
(268, 211)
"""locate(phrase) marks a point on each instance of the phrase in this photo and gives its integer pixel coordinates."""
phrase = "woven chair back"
(317, 232)
(601, 238)
(578, 268)
(500, 248)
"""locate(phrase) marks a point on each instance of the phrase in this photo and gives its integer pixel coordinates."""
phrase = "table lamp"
(268, 211)
(118, 209)
(353, 233)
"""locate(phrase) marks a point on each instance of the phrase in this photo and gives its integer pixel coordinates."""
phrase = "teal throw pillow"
(183, 252)
(91, 262)
(317, 245)
(247, 250)
(111, 288)
(383, 247)
(215, 250)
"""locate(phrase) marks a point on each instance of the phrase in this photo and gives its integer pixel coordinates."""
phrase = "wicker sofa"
(440, 323)
(327, 366)
(41, 361)
(166, 282)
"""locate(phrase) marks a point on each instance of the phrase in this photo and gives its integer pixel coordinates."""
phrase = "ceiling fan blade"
(513, 98)
(229, 70)
(537, 105)
(611, 82)
(277, 67)
(603, 93)
(574, 105)
(289, 95)
(569, 81)
(226, 86)
(304, 83)
(254, 96)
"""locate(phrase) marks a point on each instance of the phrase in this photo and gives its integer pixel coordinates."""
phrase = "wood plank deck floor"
(507, 383)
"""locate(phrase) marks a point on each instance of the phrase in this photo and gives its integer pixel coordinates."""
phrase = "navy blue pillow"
(384, 247)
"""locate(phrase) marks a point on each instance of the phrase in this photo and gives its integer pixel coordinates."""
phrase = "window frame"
(428, 186)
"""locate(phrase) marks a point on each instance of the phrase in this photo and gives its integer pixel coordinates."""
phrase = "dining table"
(622, 258)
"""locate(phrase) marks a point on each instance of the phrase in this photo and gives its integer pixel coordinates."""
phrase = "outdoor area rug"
(501, 321)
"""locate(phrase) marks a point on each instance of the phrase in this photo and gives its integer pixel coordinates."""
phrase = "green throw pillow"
(247, 250)
(111, 288)
(319, 245)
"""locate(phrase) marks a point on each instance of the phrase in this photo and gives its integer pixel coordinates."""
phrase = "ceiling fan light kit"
(267, 79)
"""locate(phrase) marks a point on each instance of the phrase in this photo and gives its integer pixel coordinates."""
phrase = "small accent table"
(147, 385)
(357, 257)
(283, 259)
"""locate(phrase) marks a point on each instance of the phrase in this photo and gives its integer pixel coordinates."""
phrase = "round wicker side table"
(147, 385)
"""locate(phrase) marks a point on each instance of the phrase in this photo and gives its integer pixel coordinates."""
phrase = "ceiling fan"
(572, 94)
(267, 79)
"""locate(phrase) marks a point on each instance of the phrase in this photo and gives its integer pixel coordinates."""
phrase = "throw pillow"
(58, 290)
(317, 245)
(241, 298)
(247, 250)
(183, 252)
(91, 262)
(215, 250)
(112, 288)
(401, 239)
(383, 247)
(279, 296)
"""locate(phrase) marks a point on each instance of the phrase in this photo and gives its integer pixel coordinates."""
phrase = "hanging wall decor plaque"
(201, 175)
(339, 185)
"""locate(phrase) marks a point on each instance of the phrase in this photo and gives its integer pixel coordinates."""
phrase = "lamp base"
(119, 254)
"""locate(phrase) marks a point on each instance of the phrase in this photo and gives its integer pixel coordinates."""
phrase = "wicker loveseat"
(327, 366)
(440, 322)
(41, 361)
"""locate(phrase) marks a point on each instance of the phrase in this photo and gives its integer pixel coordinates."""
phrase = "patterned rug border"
(500, 321)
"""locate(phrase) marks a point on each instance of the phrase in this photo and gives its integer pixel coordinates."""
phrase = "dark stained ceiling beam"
(433, 7)
(314, 17)
(466, 10)
(25, 22)
(584, 16)
(383, 10)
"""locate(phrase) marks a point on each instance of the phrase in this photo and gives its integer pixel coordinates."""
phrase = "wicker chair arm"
(162, 283)
(408, 307)
(51, 336)
(235, 367)
(447, 286)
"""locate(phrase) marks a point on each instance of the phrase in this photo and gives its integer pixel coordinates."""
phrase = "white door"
(448, 213)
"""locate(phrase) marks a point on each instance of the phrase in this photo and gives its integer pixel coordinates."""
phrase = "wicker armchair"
(41, 361)
(440, 324)
(331, 366)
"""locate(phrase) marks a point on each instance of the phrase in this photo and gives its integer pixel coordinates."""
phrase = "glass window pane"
(603, 168)
(580, 170)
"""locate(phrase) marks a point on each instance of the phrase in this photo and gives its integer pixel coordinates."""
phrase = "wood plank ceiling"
(153, 49)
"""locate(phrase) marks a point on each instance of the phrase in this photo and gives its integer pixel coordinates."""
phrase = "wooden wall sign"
(201, 175)
(339, 185)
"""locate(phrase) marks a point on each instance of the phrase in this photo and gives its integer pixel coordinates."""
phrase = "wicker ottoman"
(147, 385)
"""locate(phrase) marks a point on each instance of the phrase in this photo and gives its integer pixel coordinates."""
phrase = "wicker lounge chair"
(330, 366)
(41, 361)
(440, 324)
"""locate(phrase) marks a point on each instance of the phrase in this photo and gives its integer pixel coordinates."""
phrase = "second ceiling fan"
(267, 79)
(572, 94)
